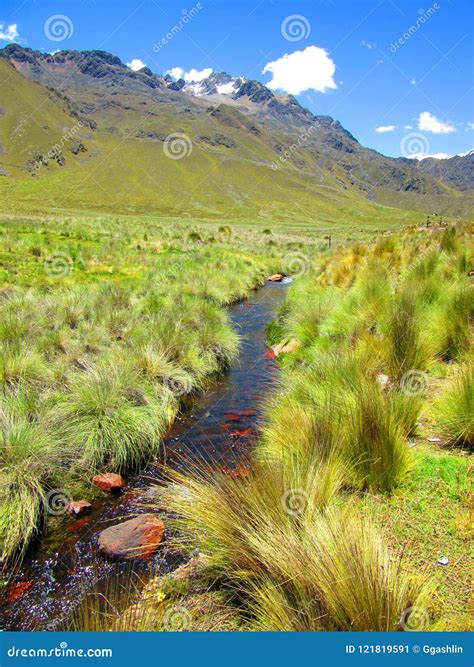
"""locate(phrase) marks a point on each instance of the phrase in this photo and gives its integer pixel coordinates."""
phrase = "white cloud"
(437, 156)
(368, 45)
(136, 64)
(9, 33)
(408, 127)
(470, 126)
(197, 75)
(440, 156)
(193, 75)
(386, 128)
(429, 123)
(310, 69)
(176, 72)
(413, 82)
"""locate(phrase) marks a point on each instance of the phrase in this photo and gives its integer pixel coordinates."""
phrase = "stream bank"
(220, 427)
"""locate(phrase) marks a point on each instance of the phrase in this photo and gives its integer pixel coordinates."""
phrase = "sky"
(396, 73)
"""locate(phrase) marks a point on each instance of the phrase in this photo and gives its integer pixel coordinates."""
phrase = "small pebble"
(443, 560)
(434, 439)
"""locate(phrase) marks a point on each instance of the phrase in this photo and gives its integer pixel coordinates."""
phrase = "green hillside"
(77, 141)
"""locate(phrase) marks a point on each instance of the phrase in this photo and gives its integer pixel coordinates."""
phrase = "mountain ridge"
(237, 124)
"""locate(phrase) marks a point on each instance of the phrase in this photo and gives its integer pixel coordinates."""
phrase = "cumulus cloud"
(136, 64)
(429, 123)
(386, 128)
(408, 127)
(197, 75)
(470, 126)
(176, 72)
(192, 75)
(310, 69)
(9, 33)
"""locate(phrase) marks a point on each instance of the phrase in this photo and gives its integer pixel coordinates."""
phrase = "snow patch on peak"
(228, 88)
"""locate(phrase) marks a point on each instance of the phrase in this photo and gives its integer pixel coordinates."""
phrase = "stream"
(220, 426)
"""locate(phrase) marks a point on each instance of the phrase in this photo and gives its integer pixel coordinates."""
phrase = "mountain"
(79, 129)
(457, 171)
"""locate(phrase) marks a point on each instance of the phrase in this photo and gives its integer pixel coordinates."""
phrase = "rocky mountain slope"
(80, 129)
(457, 171)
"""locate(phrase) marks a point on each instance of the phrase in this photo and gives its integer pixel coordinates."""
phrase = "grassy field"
(104, 328)
(107, 322)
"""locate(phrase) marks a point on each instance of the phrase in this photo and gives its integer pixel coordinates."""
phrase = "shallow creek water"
(220, 425)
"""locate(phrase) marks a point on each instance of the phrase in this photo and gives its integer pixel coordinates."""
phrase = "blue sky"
(396, 73)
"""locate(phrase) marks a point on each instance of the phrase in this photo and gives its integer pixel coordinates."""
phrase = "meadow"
(361, 472)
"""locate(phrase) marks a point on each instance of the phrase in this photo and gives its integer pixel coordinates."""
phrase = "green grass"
(104, 329)
(454, 410)
(430, 516)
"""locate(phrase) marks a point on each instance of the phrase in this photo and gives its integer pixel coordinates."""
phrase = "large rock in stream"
(110, 482)
(136, 538)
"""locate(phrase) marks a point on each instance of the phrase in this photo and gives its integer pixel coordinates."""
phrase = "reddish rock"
(232, 417)
(242, 433)
(269, 354)
(134, 538)
(78, 525)
(79, 507)
(109, 482)
(276, 278)
(248, 412)
(18, 590)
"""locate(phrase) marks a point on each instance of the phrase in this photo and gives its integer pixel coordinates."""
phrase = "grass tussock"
(259, 532)
(454, 411)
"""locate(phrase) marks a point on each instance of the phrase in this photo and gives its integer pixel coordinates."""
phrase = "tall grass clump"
(406, 348)
(28, 455)
(110, 418)
(295, 561)
(454, 410)
(452, 320)
(375, 442)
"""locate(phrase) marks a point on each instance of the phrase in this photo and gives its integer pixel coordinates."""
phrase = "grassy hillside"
(79, 143)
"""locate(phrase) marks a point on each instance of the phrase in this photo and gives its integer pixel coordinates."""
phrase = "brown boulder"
(78, 507)
(276, 278)
(109, 481)
(134, 538)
